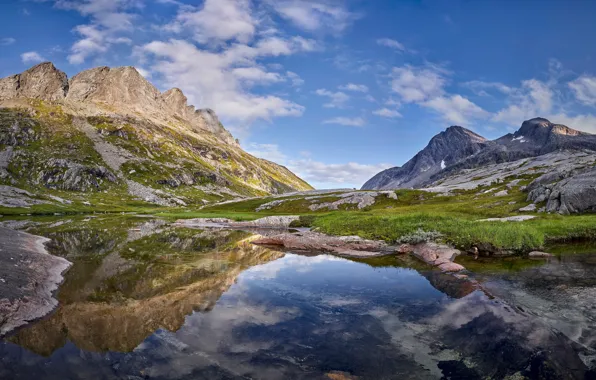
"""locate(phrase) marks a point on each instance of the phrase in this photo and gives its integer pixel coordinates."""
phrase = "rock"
(360, 199)
(530, 207)
(352, 246)
(405, 248)
(15, 197)
(282, 221)
(574, 195)
(30, 276)
(539, 254)
(517, 218)
(42, 81)
(270, 205)
(501, 193)
(66, 175)
(451, 267)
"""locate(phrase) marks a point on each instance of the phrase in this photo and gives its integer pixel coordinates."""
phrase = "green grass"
(462, 233)
(455, 217)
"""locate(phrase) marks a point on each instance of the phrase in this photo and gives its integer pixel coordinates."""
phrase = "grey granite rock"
(42, 81)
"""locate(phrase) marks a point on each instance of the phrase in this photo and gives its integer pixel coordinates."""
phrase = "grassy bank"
(456, 218)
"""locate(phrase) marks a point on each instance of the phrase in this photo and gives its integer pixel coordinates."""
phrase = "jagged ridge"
(123, 87)
(110, 130)
(444, 149)
(458, 148)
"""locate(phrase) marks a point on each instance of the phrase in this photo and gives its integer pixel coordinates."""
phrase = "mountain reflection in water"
(146, 300)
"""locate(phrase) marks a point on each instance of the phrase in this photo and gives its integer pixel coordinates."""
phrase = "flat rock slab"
(266, 222)
(517, 218)
(28, 277)
(352, 246)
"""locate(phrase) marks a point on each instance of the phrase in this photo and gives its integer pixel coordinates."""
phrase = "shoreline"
(29, 277)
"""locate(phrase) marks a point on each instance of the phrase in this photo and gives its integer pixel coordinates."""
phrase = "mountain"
(108, 135)
(457, 148)
(536, 137)
(445, 149)
(558, 163)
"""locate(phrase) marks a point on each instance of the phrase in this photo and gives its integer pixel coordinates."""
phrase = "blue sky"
(334, 89)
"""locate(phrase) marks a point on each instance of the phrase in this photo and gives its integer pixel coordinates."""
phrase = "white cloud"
(347, 121)
(354, 87)
(425, 87)
(386, 112)
(534, 98)
(269, 152)
(295, 79)
(318, 174)
(584, 89)
(322, 175)
(415, 84)
(480, 88)
(336, 99)
(220, 80)
(393, 44)
(456, 109)
(314, 15)
(144, 72)
(7, 41)
(218, 21)
(109, 18)
(254, 75)
(31, 57)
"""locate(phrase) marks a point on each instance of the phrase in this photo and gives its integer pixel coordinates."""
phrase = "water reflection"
(145, 300)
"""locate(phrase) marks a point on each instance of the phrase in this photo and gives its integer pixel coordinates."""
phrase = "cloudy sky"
(334, 89)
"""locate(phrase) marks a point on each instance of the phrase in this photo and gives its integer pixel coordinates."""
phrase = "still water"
(145, 300)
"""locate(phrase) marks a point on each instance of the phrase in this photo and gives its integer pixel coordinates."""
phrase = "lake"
(146, 300)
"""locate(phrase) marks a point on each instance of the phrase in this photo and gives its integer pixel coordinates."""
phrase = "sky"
(336, 90)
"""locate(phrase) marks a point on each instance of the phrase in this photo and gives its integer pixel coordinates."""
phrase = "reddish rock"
(314, 241)
(405, 248)
(451, 267)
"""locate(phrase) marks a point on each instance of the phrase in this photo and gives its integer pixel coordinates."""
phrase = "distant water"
(144, 300)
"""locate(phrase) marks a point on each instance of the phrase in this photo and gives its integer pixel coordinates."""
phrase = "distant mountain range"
(455, 155)
(110, 131)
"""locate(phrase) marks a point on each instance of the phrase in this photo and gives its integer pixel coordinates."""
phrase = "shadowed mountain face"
(449, 153)
(110, 130)
(443, 150)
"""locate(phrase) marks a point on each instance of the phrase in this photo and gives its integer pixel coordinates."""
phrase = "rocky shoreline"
(28, 277)
(438, 255)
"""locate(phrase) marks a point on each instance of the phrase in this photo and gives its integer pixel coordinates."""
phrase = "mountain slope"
(446, 148)
(536, 137)
(467, 150)
(108, 135)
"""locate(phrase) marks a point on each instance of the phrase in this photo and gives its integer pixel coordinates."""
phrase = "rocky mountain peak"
(43, 81)
(123, 88)
(119, 86)
(542, 130)
(457, 132)
(444, 149)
